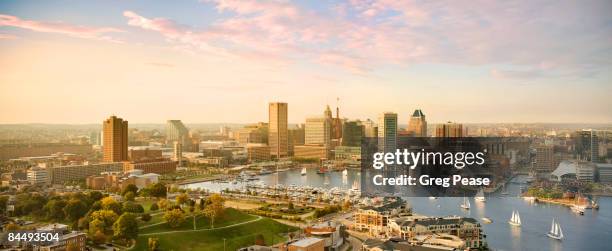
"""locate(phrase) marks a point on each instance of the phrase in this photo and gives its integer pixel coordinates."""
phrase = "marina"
(588, 232)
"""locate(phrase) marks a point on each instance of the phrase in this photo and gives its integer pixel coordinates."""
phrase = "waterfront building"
(258, 152)
(374, 219)
(574, 170)
(278, 138)
(313, 152)
(347, 153)
(62, 174)
(545, 159)
(417, 126)
(449, 130)
(115, 146)
(387, 132)
(410, 227)
(604, 172)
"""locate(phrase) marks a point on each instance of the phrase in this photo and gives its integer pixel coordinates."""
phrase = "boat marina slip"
(589, 232)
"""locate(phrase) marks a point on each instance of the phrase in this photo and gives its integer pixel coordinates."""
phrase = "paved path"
(202, 230)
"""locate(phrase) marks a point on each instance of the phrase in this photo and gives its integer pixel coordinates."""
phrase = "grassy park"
(237, 228)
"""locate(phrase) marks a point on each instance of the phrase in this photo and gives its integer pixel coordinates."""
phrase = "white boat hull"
(554, 236)
(514, 224)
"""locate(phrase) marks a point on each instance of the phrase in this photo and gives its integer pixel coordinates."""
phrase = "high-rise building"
(449, 130)
(370, 129)
(176, 130)
(95, 138)
(178, 152)
(318, 131)
(387, 132)
(417, 126)
(352, 132)
(278, 138)
(545, 159)
(296, 137)
(594, 147)
(115, 139)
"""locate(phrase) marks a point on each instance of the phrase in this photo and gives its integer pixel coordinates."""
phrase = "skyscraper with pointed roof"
(417, 126)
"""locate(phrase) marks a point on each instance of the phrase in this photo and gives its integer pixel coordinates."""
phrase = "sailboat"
(555, 231)
(345, 172)
(516, 219)
(466, 204)
(480, 196)
(303, 171)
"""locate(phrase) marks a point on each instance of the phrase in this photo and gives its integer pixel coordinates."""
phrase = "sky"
(225, 60)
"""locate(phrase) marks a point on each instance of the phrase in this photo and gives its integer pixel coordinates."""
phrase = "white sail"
(560, 231)
(552, 227)
(515, 219)
(518, 218)
(345, 172)
(303, 170)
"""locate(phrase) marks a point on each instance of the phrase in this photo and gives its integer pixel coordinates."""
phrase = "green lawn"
(229, 217)
(212, 239)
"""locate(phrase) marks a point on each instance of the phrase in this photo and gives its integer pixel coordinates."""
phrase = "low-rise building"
(61, 174)
(307, 244)
(258, 152)
(159, 166)
(75, 240)
(38, 176)
(411, 227)
(375, 219)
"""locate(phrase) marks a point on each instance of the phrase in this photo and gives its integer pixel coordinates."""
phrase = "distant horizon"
(225, 60)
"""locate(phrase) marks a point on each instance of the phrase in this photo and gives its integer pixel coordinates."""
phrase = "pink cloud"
(59, 28)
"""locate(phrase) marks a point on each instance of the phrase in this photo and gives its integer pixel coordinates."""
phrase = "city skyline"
(222, 61)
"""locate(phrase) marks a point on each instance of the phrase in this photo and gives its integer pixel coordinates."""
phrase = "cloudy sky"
(224, 60)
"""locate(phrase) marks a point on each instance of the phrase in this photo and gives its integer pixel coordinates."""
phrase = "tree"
(154, 207)
(83, 223)
(158, 190)
(108, 217)
(163, 204)
(153, 244)
(129, 196)
(95, 196)
(126, 227)
(130, 188)
(3, 203)
(99, 237)
(55, 209)
(109, 203)
(11, 227)
(146, 217)
(214, 208)
(75, 209)
(132, 207)
(174, 217)
(96, 225)
(181, 198)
